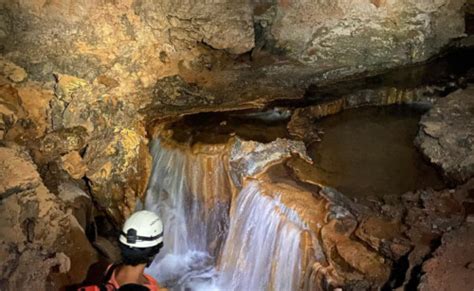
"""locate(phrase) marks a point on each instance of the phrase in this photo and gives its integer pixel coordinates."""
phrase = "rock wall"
(366, 33)
(129, 44)
(42, 244)
(77, 133)
(96, 64)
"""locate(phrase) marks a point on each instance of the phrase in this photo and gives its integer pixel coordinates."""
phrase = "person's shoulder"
(151, 279)
(152, 283)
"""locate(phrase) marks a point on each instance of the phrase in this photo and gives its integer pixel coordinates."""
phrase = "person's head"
(141, 238)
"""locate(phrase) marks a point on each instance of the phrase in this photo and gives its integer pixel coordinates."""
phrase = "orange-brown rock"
(13, 72)
(10, 107)
(118, 166)
(452, 265)
(74, 165)
(23, 109)
(384, 236)
(60, 142)
(42, 246)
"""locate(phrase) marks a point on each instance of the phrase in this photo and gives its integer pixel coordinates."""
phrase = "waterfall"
(262, 248)
(182, 190)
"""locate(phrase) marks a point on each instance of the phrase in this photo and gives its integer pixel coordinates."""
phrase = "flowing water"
(216, 239)
(262, 248)
(254, 242)
(192, 231)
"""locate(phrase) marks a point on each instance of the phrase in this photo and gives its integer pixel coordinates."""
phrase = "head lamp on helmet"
(143, 229)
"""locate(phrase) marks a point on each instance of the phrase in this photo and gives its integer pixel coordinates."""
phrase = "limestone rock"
(135, 43)
(11, 109)
(356, 265)
(58, 156)
(428, 216)
(73, 164)
(439, 211)
(13, 72)
(118, 167)
(175, 91)
(79, 202)
(248, 158)
(23, 110)
(446, 136)
(222, 25)
(60, 142)
(384, 236)
(16, 176)
(72, 104)
(35, 99)
(80, 103)
(365, 33)
(39, 241)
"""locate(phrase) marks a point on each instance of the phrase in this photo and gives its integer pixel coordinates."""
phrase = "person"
(140, 241)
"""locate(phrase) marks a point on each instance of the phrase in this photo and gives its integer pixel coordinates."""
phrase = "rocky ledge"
(446, 135)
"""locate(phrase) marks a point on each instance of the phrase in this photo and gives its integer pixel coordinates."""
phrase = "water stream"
(262, 248)
(192, 232)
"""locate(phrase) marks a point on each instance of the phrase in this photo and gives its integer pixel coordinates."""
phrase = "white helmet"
(143, 229)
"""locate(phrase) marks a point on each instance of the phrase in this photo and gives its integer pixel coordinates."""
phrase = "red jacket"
(111, 283)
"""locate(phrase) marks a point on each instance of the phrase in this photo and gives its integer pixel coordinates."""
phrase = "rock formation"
(365, 33)
(42, 244)
(344, 243)
(446, 136)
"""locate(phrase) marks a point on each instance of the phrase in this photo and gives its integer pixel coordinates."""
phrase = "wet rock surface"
(362, 243)
(250, 158)
(40, 240)
(446, 136)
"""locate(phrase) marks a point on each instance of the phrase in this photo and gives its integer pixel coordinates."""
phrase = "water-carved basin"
(369, 152)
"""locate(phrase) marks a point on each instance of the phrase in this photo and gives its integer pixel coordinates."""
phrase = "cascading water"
(178, 192)
(262, 249)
